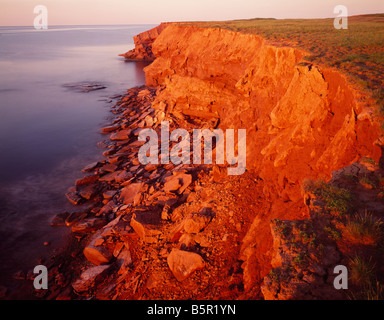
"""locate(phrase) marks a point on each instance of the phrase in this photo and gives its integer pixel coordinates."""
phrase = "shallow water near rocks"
(56, 89)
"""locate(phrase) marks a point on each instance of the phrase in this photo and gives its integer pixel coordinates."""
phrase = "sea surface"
(49, 129)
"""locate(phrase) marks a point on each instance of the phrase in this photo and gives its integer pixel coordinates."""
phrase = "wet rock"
(74, 198)
(19, 275)
(59, 219)
(110, 128)
(107, 208)
(87, 180)
(123, 176)
(74, 217)
(89, 278)
(109, 177)
(92, 166)
(87, 192)
(85, 86)
(129, 192)
(183, 263)
(121, 135)
(88, 225)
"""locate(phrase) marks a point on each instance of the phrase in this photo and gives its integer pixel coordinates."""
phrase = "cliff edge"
(311, 197)
(303, 121)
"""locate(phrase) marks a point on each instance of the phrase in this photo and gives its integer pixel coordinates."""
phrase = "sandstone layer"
(143, 45)
(189, 231)
(303, 121)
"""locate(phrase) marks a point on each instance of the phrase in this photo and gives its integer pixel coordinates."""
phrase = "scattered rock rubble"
(128, 209)
(177, 232)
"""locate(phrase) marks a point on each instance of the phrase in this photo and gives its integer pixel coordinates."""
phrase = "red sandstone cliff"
(143, 44)
(302, 120)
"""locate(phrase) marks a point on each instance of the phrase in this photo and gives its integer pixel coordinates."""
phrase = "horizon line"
(183, 21)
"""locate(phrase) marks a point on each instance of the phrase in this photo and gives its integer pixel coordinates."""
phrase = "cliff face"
(143, 44)
(302, 121)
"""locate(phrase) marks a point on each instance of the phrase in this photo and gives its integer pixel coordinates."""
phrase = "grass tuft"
(337, 200)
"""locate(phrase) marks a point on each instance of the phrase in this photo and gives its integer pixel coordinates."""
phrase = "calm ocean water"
(49, 132)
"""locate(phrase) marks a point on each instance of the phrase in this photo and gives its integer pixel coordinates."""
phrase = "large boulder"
(183, 263)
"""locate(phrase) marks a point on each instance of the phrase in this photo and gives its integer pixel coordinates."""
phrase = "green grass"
(366, 225)
(337, 200)
(362, 271)
(358, 51)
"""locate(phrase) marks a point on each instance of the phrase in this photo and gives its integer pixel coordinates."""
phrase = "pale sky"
(100, 12)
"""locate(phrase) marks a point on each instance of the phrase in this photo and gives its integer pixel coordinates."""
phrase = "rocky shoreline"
(149, 232)
(194, 232)
(128, 211)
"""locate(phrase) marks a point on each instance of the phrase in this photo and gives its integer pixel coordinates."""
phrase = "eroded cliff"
(303, 121)
(192, 231)
(143, 45)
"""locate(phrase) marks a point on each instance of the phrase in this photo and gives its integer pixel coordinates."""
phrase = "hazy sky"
(94, 12)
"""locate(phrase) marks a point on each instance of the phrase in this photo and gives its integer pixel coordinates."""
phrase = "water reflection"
(49, 133)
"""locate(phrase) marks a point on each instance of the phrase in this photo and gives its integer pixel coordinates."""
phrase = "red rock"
(74, 198)
(184, 263)
(178, 182)
(89, 278)
(129, 192)
(110, 176)
(109, 167)
(123, 176)
(107, 208)
(143, 44)
(90, 167)
(109, 194)
(75, 217)
(196, 223)
(138, 227)
(97, 254)
(110, 128)
(121, 135)
(150, 167)
(147, 235)
(172, 185)
(124, 259)
(59, 219)
(186, 180)
(87, 192)
(87, 180)
(88, 225)
(137, 199)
